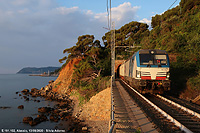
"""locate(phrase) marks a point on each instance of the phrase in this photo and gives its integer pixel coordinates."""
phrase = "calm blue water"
(13, 117)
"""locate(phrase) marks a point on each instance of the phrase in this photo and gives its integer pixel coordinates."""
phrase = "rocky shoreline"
(61, 112)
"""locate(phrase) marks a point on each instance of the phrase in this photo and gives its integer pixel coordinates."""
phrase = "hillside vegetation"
(177, 31)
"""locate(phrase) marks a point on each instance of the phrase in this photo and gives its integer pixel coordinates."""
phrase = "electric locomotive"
(147, 71)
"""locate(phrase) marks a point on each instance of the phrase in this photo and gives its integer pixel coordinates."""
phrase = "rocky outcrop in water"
(61, 111)
(21, 107)
(4, 107)
(33, 122)
(27, 119)
(45, 92)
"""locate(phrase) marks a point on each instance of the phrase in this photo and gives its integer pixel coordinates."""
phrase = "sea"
(11, 119)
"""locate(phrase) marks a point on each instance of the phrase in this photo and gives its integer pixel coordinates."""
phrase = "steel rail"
(180, 106)
(178, 124)
(187, 104)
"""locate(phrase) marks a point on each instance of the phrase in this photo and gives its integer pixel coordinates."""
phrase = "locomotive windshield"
(153, 59)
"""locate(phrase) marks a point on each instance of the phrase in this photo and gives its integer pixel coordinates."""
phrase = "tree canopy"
(128, 35)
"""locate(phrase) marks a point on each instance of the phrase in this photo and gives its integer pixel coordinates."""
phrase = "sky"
(34, 33)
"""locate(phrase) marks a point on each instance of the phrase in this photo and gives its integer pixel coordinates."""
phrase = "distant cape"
(35, 70)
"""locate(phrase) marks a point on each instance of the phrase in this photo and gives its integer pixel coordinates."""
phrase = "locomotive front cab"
(153, 71)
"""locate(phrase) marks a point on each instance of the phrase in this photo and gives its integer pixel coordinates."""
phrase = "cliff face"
(61, 85)
(96, 112)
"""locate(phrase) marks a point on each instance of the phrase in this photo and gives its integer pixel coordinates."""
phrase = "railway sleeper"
(182, 115)
(196, 118)
(125, 123)
(185, 119)
(121, 113)
(196, 130)
(126, 130)
(122, 116)
(189, 122)
(193, 126)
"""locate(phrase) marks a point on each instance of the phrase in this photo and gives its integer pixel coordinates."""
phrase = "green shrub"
(85, 90)
(194, 82)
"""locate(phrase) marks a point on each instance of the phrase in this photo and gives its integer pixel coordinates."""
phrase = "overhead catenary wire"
(172, 4)
(168, 9)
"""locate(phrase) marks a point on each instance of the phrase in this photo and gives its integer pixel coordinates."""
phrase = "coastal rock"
(44, 109)
(54, 118)
(21, 107)
(36, 121)
(60, 111)
(84, 128)
(27, 119)
(27, 99)
(32, 123)
(56, 111)
(35, 94)
(34, 90)
(51, 81)
(42, 117)
(25, 91)
(48, 87)
(4, 107)
(62, 106)
(47, 93)
(64, 115)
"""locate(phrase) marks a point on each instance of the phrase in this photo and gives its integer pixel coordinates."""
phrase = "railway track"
(189, 105)
(186, 117)
(166, 114)
(128, 117)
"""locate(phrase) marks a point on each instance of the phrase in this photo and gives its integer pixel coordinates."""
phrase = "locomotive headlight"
(138, 74)
(168, 75)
